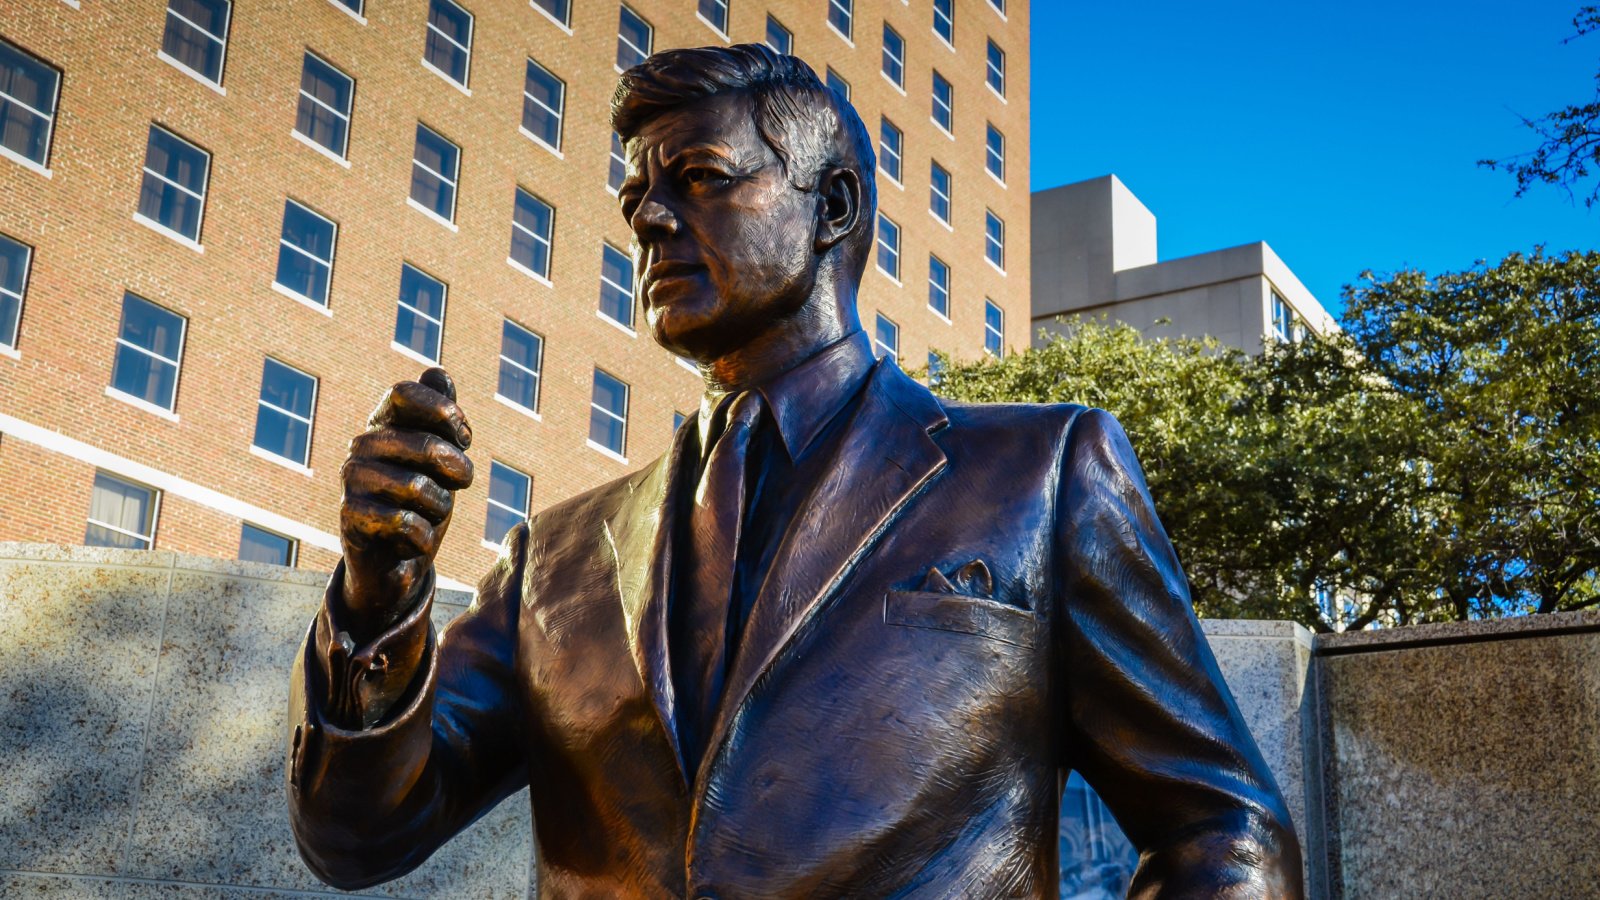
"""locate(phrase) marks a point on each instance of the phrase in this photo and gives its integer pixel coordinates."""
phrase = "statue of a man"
(844, 639)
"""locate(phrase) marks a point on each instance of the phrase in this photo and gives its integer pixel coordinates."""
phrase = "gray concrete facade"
(1094, 254)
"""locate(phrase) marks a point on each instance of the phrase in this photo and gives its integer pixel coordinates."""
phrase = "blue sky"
(1344, 135)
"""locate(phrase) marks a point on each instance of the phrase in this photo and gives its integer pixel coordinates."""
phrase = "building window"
(172, 195)
(779, 38)
(356, 6)
(435, 165)
(618, 169)
(521, 361)
(715, 14)
(678, 419)
(994, 329)
(938, 286)
(616, 286)
(15, 258)
(608, 413)
(996, 75)
(28, 92)
(841, 15)
(284, 412)
(999, 6)
(197, 36)
(1283, 319)
(305, 253)
(634, 36)
(936, 367)
(419, 320)
(448, 49)
(888, 247)
(508, 501)
(324, 113)
(121, 514)
(149, 353)
(532, 221)
(544, 99)
(939, 192)
(263, 546)
(894, 57)
(886, 338)
(944, 20)
(889, 141)
(560, 10)
(838, 85)
(994, 239)
(995, 153)
(943, 102)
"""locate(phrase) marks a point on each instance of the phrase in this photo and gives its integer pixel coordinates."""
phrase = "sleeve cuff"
(363, 683)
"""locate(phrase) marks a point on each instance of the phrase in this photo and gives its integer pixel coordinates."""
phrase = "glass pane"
(610, 394)
(327, 84)
(307, 230)
(24, 132)
(143, 376)
(422, 292)
(13, 265)
(197, 42)
(605, 431)
(151, 327)
(10, 317)
(715, 12)
(303, 275)
(27, 80)
(541, 108)
(417, 333)
(116, 503)
(163, 203)
(558, 9)
(287, 388)
(633, 39)
(616, 285)
(519, 386)
(838, 85)
(306, 273)
(449, 39)
(283, 435)
(520, 346)
(778, 37)
(177, 160)
(257, 545)
(508, 487)
(619, 164)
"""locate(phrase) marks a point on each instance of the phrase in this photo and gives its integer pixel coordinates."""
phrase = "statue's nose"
(654, 219)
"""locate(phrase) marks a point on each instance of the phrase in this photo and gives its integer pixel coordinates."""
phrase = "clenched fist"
(399, 482)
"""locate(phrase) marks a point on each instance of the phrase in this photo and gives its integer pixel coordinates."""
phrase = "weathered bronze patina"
(843, 640)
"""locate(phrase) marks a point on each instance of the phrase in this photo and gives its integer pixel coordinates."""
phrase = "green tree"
(1569, 149)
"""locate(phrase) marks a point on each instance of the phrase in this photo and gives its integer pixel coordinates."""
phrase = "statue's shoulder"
(994, 418)
(594, 505)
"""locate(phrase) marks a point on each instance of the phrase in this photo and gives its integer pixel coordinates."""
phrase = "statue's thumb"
(439, 380)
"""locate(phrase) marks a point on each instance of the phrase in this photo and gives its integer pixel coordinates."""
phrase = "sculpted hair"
(806, 124)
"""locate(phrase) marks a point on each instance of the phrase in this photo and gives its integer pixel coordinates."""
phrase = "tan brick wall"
(88, 249)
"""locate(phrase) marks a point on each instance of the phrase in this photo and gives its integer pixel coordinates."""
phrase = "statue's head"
(749, 190)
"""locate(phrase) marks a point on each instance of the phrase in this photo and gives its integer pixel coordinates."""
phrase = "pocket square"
(972, 579)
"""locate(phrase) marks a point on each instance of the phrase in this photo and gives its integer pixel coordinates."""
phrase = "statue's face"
(724, 245)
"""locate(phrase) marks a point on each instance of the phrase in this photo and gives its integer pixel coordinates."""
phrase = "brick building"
(228, 227)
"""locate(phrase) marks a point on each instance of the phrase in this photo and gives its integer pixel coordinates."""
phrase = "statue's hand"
(399, 479)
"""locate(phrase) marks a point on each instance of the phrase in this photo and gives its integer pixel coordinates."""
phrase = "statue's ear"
(838, 206)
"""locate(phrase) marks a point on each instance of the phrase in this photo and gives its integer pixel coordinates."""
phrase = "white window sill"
(507, 401)
(287, 463)
(161, 229)
(939, 315)
(993, 266)
(947, 226)
(553, 20)
(993, 176)
(173, 62)
(892, 180)
(842, 36)
(302, 299)
(997, 95)
(409, 353)
(617, 325)
(688, 365)
(360, 19)
(892, 83)
(997, 11)
(942, 130)
(141, 403)
(541, 142)
(885, 273)
(24, 162)
(10, 352)
(441, 73)
(319, 148)
(940, 38)
(491, 545)
(607, 451)
(714, 29)
(432, 215)
(529, 272)
(72, 3)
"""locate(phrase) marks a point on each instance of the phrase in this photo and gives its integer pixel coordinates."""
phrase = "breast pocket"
(960, 613)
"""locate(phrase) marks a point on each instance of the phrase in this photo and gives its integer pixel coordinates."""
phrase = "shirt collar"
(805, 398)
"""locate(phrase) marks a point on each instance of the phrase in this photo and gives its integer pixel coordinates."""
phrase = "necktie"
(714, 523)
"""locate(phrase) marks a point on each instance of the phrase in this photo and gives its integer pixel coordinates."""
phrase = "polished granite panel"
(1467, 767)
(78, 647)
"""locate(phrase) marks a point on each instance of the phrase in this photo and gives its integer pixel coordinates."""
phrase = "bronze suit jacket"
(973, 601)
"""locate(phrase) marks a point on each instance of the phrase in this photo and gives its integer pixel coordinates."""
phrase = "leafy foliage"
(1569, 151)
(1438, 460)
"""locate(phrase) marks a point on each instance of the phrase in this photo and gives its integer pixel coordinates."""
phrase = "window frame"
(833, 79)
(617, 156)
(949, 104)
(171, 407)
(294, 545)
(992, 156)
(522, 514)
(990, 217)
(942, 287)
(565, 23)
(222, 40)
(650, 37)
(999, 333)
(627, 290)
(847, 12)
(154, 516)
(536, 373)
(724, 5)
(548, 240)
(9, 348)
(444, 306)
(430, 29)
(886, 127)
(935, 194)
(308, 420)
(454, 182)
(559, 114)
(594, 407)
(993, 73)
(878, 328)
(200, 219)
(899, 59)
(41, 166)
(284, 244)
(949, 17)
(343, 153)
(879, 246)
(788, 34)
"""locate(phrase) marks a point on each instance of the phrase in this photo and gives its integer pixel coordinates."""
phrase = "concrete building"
(1094, 253)
(228, 227)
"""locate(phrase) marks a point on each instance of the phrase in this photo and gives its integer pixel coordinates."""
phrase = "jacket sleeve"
(1150, 723)
(395, 747)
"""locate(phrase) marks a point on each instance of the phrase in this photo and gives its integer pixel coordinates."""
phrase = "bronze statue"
(843, 640)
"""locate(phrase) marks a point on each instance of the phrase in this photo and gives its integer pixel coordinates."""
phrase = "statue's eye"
(701, 175)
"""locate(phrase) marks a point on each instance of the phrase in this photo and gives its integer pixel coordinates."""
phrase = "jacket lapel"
(640, 535)
(884, 457)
